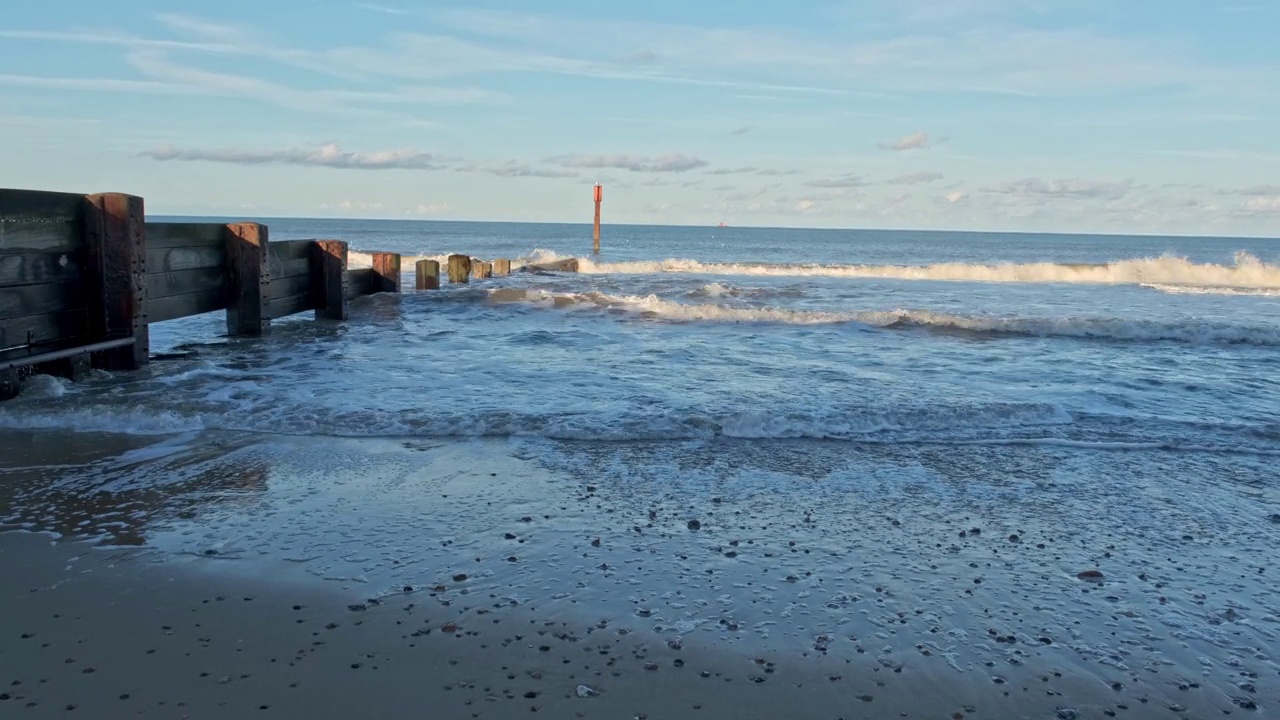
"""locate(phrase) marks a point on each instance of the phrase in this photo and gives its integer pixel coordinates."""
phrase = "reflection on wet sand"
(116, 489)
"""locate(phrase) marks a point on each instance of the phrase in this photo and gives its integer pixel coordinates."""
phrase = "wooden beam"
(288, 286)
(427, 274)
(359, 282)
(329, 279)
(182, 282)
(285, 305)
(186, 258)
(501, 266)
(34, 329)
(386, 272)
(459, 268)
(117, 255)
(482, 270)
(248, 279)
(172, 307)
(37, 267)
(40, 299)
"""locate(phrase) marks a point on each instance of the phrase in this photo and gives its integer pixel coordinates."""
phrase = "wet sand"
(240, 576)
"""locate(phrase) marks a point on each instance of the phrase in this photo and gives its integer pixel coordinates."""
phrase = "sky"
(1021, 115)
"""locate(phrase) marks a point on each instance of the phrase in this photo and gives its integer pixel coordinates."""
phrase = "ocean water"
(899, 449)
(673, 333)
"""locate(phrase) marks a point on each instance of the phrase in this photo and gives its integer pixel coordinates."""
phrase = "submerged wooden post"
(386, 272)
(596, 234)
(427, 273)
(115, 240)
(459, 268)
(501, 266)
(329, 279)
(482, 270)
(248, 279)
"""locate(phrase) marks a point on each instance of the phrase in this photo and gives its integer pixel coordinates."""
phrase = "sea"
(781, 433)
(861, 337)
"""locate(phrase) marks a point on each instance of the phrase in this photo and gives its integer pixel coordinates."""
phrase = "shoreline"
(797, 610)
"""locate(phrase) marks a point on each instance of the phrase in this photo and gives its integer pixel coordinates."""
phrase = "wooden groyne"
(82, 278)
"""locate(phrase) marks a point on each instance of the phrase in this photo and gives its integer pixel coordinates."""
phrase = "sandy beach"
(224, 575)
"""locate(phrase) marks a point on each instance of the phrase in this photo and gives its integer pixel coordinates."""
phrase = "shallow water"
(834, 408)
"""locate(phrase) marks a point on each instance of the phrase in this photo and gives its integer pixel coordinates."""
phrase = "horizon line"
(587, 224)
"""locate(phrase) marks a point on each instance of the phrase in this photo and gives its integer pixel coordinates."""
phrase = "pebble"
(586, 691)
(695, 525)
(1090, 575)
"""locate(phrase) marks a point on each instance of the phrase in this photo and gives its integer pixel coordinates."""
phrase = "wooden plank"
(290, 268)
(115, 239)
(23, 300)
(296, 285)
(386, 272)
(501, 266)
(290, 250)
(185, 258)
(179, 234)
(16, 331)
(179, 306)
(290, 305)
(359, 282)
(181, 282)
(35, 268)
(330, 279)
(427, 275)
(249, 279)
(40, 205)
(54, 236)
(459, 268)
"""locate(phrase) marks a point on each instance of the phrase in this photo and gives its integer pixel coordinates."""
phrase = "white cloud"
(1263, 205)
(330, 156)
(1067, 188)
(914, 141)
(669, 162)
(916, 178)
(731, 171)
(437, 208)
(843, 181)
(382, 9)
(956, 196)
(518, 170)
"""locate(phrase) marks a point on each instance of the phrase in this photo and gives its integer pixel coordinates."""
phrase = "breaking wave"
(1097, 328)
(1247, 272)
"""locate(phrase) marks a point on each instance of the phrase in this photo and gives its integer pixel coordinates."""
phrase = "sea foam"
(1246, 272)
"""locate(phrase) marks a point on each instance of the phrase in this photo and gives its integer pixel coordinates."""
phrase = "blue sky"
(1088, 116)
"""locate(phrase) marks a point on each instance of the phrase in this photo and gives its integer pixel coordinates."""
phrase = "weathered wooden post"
(501, 267)
(329, 279)
(248, 279)
(386, 272)
(482, 270)
(596, 234)
(427, 273)
(115, 241)
(459, 268)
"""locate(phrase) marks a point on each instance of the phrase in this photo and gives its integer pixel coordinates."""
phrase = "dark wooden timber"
(115, 241)
(501, 266)
(330, 278)
(459, 268)
(427, 275)
(249, 279)
(386, 272)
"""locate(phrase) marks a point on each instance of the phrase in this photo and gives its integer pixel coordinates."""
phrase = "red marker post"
(596, 234)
